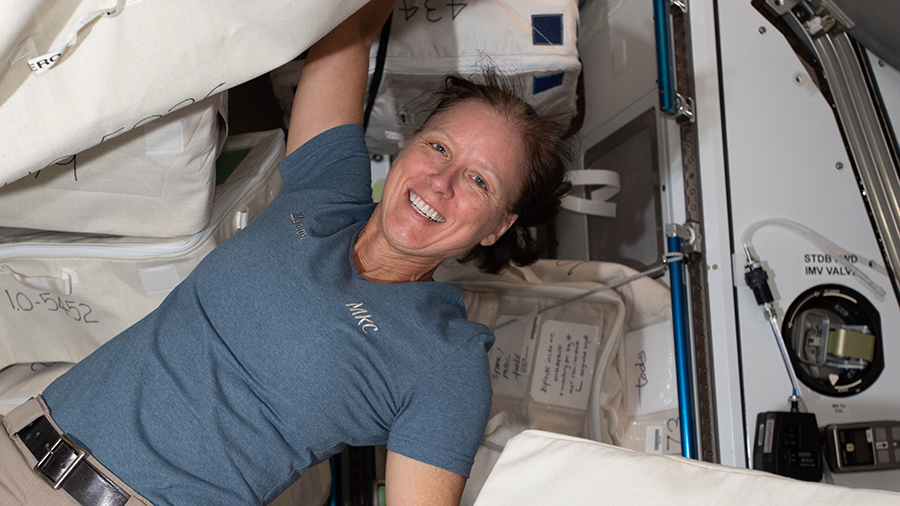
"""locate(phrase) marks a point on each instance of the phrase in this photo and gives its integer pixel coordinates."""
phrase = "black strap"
(84, 483)
(379, 70)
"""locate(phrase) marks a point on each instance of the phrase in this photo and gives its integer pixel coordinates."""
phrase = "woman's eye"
(439, 147)
(479, 181)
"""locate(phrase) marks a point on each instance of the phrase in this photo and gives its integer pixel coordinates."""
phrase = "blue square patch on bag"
(544, 83)
(547, 29)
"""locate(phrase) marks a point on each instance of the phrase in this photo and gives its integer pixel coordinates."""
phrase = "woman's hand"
(332, 86)
(409, 482)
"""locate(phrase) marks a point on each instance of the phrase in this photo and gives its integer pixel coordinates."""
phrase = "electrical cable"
(757, 280)
(668, 258)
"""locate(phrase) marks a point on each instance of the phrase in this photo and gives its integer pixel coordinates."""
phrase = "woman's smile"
(424, 209)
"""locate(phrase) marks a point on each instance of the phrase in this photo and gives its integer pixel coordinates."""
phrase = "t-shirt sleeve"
(335, 161)
(443, 420)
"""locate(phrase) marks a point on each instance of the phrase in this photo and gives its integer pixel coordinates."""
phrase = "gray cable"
(667, 259)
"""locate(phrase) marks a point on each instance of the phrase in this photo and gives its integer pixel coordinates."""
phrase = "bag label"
(650, 369)
(511, 357)
(564, 366)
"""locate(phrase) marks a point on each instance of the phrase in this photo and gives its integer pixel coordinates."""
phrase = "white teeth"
(424, 209)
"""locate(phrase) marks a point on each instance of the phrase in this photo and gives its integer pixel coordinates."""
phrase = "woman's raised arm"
(409, 482)
(332, 85)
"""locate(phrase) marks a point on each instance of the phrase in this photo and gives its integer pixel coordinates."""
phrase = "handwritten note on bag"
(511, 357)
(650, 369)
(564, 365)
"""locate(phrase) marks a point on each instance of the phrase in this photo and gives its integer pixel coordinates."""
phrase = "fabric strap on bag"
(379, 70)
(45, 62)
(597, 205)
(62, 284)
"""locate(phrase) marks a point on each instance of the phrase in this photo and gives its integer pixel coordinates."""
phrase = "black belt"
(62, 464)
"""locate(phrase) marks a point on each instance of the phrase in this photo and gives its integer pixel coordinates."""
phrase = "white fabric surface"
(619, 409)
(14, 17)
(542, 468)
(151, 59)
(618, 313)
(63, 295)
(156, 180)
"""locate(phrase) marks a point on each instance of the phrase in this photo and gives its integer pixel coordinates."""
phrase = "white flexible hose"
(836, 252)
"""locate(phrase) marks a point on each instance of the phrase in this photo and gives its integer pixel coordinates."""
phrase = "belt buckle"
(79, 456)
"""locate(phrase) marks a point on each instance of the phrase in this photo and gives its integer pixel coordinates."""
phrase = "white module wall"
(616, 45)
(785, 158)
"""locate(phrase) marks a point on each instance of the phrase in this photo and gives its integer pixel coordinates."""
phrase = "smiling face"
(452, 186)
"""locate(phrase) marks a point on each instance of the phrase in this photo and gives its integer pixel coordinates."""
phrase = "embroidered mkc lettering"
(363, 319)
(297, 218)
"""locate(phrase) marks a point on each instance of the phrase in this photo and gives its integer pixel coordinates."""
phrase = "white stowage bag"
(109, 66)
(157, 180)
(532, 41)
(544, 468)
(62, 295)
(14, 17)
(599, 367)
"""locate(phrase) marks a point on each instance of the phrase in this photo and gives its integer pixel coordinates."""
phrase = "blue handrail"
(665, 69)
(683, 367)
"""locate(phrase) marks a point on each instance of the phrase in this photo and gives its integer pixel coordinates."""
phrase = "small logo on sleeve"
(363, 318)
(297, 218)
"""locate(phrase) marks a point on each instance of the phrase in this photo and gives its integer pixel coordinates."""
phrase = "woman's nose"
(442, 181)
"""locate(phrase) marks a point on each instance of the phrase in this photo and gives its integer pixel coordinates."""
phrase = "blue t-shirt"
(275, 353)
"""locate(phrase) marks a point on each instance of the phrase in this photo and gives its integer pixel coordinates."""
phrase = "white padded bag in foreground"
(532, 41)
(540, 468)
(157, 180)
(133, 61)
(63, 295)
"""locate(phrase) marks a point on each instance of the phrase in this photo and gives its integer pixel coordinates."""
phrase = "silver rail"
(866, 141)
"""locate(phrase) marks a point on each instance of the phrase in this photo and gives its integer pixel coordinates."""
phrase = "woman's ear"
(501, 229)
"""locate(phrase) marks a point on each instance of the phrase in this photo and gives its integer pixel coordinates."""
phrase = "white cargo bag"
(532, 41)
(157, 180)
(63, 295)
(107, 66)
(14, 17)
(544, 468)
(599, 367)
